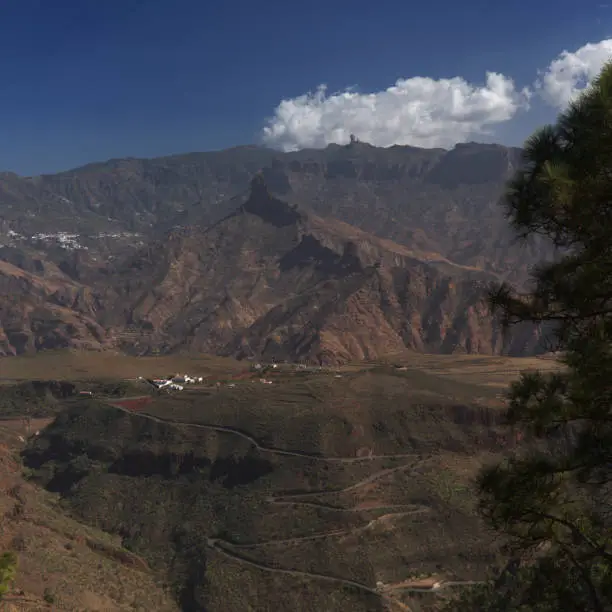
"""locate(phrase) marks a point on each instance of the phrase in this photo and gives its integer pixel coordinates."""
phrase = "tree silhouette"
(551, 499)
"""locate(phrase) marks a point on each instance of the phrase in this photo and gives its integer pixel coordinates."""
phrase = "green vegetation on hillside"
(552, 497)
(34, 399)
(314, 485)
(50, 558)
(323, 483)
(8, 570)
(47, 398)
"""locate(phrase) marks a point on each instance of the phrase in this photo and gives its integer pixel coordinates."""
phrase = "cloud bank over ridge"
(426, 112)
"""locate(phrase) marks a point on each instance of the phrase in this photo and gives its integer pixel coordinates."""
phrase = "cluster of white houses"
(176, 382)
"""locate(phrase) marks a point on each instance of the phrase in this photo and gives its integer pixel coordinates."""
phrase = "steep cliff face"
(275, 281)
(444, 201)
(431, 199)
(270, 279)
(381, 312)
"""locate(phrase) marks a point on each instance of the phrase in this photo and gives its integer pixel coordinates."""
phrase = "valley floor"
(352, 485)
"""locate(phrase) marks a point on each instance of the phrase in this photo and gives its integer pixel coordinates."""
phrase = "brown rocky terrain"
(445, 201)
(351, 252)
(45, 309)
(61, 563)
(269, 279)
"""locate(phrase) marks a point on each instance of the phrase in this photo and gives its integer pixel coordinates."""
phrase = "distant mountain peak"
(387, 248)
(259, 187)
(270, 209)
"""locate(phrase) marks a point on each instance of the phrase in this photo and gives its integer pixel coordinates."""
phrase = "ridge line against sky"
(86, 81)
(425, 112)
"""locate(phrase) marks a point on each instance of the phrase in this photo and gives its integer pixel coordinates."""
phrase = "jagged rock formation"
(438, 200)
(270, 280)
(272, 277)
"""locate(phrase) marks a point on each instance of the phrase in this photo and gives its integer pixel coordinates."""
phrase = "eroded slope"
(63, 564)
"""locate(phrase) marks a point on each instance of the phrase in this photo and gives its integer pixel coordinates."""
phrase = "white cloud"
(418, 111)
(570, 72)
(425, 112)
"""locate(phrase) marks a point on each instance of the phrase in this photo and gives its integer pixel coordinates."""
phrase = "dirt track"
(335, 532)
(365, 481)
(228, 549)
(256, 444)
(216, 545)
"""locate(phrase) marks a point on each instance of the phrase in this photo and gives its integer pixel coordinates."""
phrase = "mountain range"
(351, 252)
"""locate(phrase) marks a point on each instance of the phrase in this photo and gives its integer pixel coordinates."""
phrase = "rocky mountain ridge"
(270, 280)
(442, 200)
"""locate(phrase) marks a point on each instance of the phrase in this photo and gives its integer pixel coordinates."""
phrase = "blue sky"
(87, 80)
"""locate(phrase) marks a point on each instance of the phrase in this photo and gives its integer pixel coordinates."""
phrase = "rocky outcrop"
(438, 200)
(272, 277)
(46, 310)
(270, 280)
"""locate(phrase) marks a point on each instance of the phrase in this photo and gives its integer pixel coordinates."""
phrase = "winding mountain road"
(338, 508)
(220, 547)
(228, 549)
(383, 592)
(363, 482)
(260, 447)
(333, 533)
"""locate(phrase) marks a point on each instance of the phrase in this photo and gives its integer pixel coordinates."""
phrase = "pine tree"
(552, 498)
